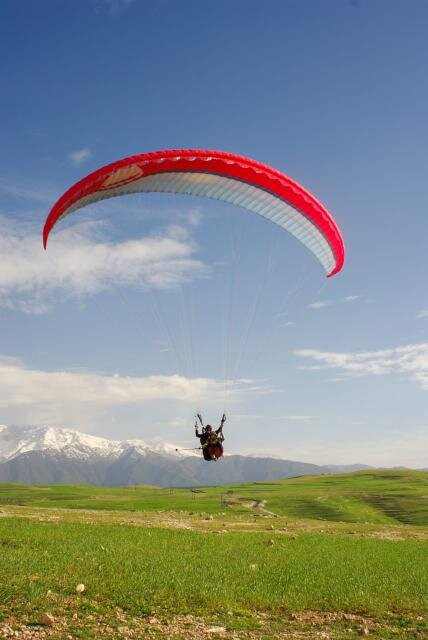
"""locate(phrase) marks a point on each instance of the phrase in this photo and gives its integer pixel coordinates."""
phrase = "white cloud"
(351, 298)
(410, 360)
(80, 156)
(423, 313)
(192, 217)
(36, 396)
(320, 304)
(86, 398)
(78, 263)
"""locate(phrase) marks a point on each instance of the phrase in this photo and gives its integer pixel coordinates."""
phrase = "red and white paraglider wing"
(219, 175)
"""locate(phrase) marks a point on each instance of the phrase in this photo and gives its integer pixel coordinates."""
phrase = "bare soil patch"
(304, 625)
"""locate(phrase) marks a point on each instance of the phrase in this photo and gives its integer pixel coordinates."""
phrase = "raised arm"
(223, 420)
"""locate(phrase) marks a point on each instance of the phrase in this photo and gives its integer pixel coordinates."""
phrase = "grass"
(147, 570)
(387, 497)
(341, 554)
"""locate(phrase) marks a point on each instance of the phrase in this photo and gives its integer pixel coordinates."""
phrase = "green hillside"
(388, 497)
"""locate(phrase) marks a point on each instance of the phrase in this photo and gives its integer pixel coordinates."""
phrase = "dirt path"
(257, 505)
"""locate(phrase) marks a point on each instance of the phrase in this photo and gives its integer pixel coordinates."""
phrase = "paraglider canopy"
(219, 175)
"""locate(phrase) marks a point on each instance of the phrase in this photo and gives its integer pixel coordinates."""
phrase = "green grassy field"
(335, 555)
(386, 497)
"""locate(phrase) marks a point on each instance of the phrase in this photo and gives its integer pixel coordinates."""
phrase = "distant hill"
(371, 497)
(48, 455)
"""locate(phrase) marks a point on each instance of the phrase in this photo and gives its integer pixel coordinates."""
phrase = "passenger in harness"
(211, 441)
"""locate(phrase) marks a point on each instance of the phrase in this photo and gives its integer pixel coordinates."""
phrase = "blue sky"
(131, 321)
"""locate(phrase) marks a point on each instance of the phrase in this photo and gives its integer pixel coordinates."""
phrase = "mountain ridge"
(52, 455)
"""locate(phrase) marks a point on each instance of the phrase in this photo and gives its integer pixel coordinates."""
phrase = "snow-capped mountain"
(17, 440)
(49, 455)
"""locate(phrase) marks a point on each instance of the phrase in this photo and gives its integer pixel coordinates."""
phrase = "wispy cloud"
(351, 298)
(410, 360)
(267, 418)
(35, 193)
(22, 386)
(423, 313)
(36, 396)
(192, 217)
(320, 304)
(80, 156)
(79, 263)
